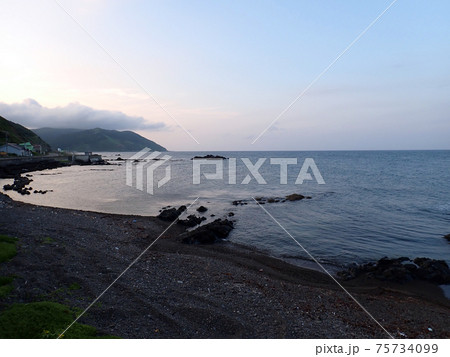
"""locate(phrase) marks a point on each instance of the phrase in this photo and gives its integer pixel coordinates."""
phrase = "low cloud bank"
(31, 114)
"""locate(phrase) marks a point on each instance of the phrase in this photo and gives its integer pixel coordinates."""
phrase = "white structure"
(14, 149)
(87, 157)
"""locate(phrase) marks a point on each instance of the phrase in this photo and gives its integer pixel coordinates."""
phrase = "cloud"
(31, 114)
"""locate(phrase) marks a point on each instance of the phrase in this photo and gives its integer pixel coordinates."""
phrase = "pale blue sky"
(226, 69)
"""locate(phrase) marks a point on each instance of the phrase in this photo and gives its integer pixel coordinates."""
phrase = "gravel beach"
(177, 290)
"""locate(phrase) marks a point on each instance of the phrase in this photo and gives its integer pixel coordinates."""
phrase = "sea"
(368, 205)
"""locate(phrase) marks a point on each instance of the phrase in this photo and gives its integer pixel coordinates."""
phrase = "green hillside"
(17, 134)
(96, 140)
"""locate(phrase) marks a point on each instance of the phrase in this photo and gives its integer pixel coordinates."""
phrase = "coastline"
(194, 291)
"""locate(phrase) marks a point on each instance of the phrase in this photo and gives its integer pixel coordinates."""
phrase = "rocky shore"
(179, 290)
(18, 166)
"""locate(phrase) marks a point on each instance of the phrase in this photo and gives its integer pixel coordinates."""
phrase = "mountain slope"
(96, 140)
(19, 134)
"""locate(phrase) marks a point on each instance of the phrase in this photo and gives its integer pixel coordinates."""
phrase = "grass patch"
(74, 286)
(42, 320)
(5, 280)
(5, 285)
(47, 240)
(7, 248)
(5, 290)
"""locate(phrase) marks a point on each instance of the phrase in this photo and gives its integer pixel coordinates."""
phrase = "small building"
(28, 146)
(87, 158)
(14, 149)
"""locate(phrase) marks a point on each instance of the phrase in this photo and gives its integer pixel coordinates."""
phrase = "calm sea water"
(373, 203)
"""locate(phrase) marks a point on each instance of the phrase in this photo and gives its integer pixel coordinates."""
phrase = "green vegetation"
(5, 285)
(7, 247)
(74, 286)
(7, 251)
(42, 320)
(96, 140)
(19, 134)
(47, 240)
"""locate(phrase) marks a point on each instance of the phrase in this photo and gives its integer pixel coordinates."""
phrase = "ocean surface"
(373, 203)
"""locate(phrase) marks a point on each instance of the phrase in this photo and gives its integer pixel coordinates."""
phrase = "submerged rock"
(209, 233)
(202, 209)
(447, 237)
(292, 197)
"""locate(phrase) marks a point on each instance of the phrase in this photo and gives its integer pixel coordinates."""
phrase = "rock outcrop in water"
(19, 185)
(401, 270)
(209, 233)
(447, 237)
(171, 214)
(209, 156)
(191, 221)
(263, 200)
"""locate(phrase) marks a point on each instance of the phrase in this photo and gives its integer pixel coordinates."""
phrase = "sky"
(224, 70)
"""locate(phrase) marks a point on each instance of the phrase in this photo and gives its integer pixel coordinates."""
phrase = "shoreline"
(206, 291)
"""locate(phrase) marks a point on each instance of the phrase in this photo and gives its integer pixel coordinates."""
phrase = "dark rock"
(447, 237)
(208, 233)
(202, 209)
(436, 271)
(171, 214)
(230, 214)
(19, 185)
(209, 156)
(295, 197)
(191, 221)
(401, 270)
(263, 200)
